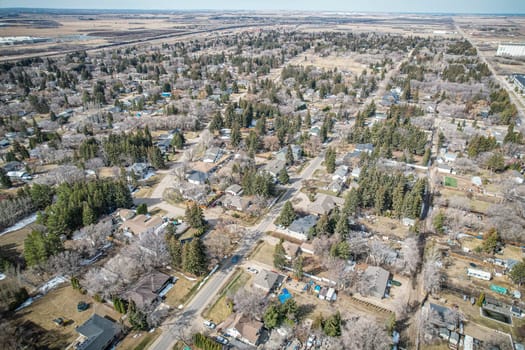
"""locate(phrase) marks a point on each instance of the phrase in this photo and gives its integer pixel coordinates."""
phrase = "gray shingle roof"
(99, 331)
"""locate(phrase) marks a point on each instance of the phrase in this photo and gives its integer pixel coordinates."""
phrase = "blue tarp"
(285, 295)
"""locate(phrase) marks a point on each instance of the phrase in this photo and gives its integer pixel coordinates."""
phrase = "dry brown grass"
(62, 302)
(177, 294)
(264, 254)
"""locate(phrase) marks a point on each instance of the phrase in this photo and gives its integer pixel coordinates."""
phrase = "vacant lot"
(62, 302)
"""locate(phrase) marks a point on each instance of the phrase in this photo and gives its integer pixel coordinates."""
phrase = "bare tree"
(66, 262)
(217, 244)
(271, 143)
(364, 333)
(410, 256)
(381, 253)
(250, 303)
(432, 276)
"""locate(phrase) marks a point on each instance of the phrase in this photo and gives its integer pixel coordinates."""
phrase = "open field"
(264, 254)
(178, 294)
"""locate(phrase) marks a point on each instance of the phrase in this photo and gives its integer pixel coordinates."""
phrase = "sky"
(429, 6)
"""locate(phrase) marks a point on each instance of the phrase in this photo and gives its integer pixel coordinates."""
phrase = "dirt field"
(387, 226)
(62, 302)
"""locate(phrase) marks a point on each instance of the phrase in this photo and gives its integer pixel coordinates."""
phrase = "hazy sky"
(457, 6)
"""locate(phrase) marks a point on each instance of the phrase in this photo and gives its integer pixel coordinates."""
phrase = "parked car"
(472, 265)
(82, 306)
(221, 340)
(252, 270)
(210, 324)
(235, 259)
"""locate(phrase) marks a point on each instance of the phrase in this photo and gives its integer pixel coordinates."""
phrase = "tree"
(38, 247)
(272, 317)
(438, 222)
(279, 256)
(175, 250)
(298, 267)
(342, 228)
(137, 318)
(289, 156)
(329, 160)
(88, 216)
(178, 140)
(332, 325)
(236, 136)
(365, 333)
(195, 259)
(5, 181)
(491, 241)
(251, 303)
(156, 158)
(217, 123)
(496, 162)
(410, 256)
(195, 217)
(283, 177)
(517, 274)
(142, 209)
(287, 215)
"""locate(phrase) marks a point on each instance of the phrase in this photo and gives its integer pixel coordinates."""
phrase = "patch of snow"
(51, 284)
(28, 302)
(2, 276)
(20, 225)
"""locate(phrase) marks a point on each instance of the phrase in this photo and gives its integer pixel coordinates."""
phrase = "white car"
(221, 340)
(252, 270)
(210, 324)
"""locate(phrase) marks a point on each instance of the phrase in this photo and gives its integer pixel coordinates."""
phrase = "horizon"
(445, 7)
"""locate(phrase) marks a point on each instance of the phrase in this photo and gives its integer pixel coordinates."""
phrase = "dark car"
(235, 259)
(82, 306)
(472, 265)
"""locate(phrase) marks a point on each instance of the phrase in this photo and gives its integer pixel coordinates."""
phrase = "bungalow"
(148, 289)
(356, 172)
(297, 153)
(324, 204)
(274, 167)
(301, 227)
(13, 166)
(266, 280)
(140, 169)
(351, 157)
(235, 202)
(377, 278)
(97, 333)
(242, 328)
(364, 147)
(212, 155)
(335, 186)
(234, 190)
(450, 157)
(4, 143)
(197, 177)
(340, 173)
(142, 223)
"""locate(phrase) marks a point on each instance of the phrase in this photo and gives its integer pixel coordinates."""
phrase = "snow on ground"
(28, 302)
(51, 284)
(20, 225)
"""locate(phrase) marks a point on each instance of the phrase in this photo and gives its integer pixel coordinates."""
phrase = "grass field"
(264, 254)
(178, 294)
(220, 310)
(451, 182)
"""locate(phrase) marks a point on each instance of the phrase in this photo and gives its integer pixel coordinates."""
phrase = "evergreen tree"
(194, 216)
(298, 267)
(142, 209)
(235, 137)
(289, 156)
(178, 140)
(279, 256)
(342, 227)
(332, 325)
(38, 247)
(137, 318)
(329, 160)
(5, 181)
(283, 177)
(195, 260)
(308, 120)
(175, 249)
(88, 216)
(156, 158)
(287, 215)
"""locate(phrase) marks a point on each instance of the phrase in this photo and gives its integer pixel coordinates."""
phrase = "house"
(307, 248)
(274, 167)
(19, 175)
(266, 280)
(97, 333)
(13, 166)
(351, 157)
(126, 214)
(335, 186)
(356, 172)
(378, 279)
(164, 145)
(340, 173)
(450, 157)
(142, 223)
(197, 177)
(234, 190)
(291, 250)
(297, 153)
(4, 143)
(364, 147)
(242, 328)
(301, 227)
(212, 155)
(140, 169)
(146, 291)
(324, 204)
(235, 202)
